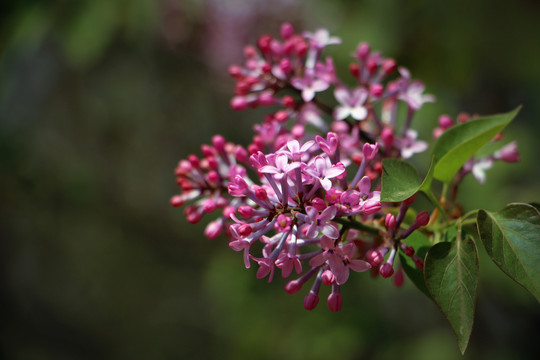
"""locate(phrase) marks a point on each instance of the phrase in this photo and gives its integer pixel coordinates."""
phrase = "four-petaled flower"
(351, 103)
(320, 222)
(322, 170)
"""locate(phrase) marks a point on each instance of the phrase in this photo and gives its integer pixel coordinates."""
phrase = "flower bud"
(328, 278)
(311, 300)
(376, 90)
(177, 201)
(445, 122)
(239, 103)
(390, 221)
(354, 69)
(245, 230)
(374, 257)
(293, 286)
(334, 301)
(386, 270)
(287, 31)
(363, 51)
(388, 66)
(422, 218)
(387, 137)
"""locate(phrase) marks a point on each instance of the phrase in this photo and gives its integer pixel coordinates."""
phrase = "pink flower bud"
(287, 31)
(298, 131)
(508, 153)
(445, 122)
(293, 286)
(354, 69)
(239, 103)
(376, 90)
(311, 300)
(235, 71)
(422, 218)
(370, 150)
(386, 270)
(418, 262)
(266, 98)
(387, 137)
(374, 257)
(213, 177)
(228, 211)
(213, 229)
(390, 221)
(410, 200)
(240, 154)
(193, 160)
(193, 215)
(334, 301)
(318, 204)
(281, 116)
(209, 205)
(264, 43)
(398, 279)
(244, 230)
(437, 132)
(219, 142)
(285, 66)
(328, 278)
(250, 51)
(409, 251)
(463, 117)
(261, 194)
(388, 66)
(246, 211)
(288, 101)
(372, 66)
(177, 201)
(363, 51)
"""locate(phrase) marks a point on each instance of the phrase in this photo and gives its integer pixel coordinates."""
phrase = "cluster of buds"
(304, 196)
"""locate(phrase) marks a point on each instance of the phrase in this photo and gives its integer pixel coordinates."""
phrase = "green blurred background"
(99, 99)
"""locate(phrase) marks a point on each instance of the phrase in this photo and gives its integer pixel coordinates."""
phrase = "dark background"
(99, 99)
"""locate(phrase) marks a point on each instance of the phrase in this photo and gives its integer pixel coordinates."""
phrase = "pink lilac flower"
(309, 85)
(320, 222)
(351, 103)
(322, 170)
(409, 145)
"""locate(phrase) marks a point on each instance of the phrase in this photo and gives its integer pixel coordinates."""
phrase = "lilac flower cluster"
(304, 196)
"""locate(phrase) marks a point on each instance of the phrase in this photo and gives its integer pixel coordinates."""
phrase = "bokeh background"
(99, 99)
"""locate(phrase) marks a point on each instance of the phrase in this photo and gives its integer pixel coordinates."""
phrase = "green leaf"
(451, 275)
(511, 237)
(421, 245)
(456, 145)
(400, 180)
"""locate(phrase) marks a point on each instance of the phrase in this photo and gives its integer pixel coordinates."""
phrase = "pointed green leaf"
(457, 144)
(400, 180)
(451, 275)
(511, 237)
(421, 245)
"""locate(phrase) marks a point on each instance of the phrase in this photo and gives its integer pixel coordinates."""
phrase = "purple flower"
(322, 169)
(320, 222)
(413, 96)
(508, 153)
(286, 262)
(295, 151)
(347, 252)
(309, 85)
(351, 103)
(321, 38)
(282, 167)
(330, 145)
(409, 145)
